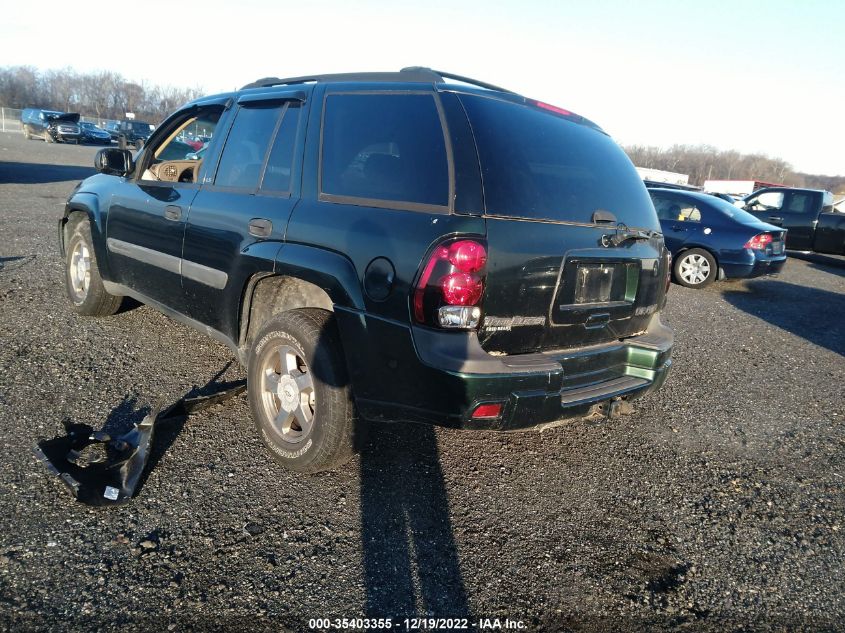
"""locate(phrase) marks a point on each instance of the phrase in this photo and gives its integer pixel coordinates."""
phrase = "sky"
(751, 76)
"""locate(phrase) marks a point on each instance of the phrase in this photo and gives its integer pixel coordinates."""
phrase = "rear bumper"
(754, 266)
(441, 377)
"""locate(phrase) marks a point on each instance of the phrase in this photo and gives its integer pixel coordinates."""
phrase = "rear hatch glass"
(551, 283)
(543, 166)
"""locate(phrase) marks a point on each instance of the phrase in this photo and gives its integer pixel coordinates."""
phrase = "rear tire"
(83, 283)
(695, 268)
(26, 134)
(299, 392)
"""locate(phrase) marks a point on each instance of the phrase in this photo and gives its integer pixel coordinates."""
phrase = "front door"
(148, 212)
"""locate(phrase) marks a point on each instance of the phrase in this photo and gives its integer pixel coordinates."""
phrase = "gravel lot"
(718, 505)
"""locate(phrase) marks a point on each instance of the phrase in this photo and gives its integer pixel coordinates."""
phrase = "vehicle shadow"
(784, 305)
(826, 263)
(40, 173)
(410, 560)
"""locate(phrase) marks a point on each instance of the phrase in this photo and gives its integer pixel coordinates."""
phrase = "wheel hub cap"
(287, 393)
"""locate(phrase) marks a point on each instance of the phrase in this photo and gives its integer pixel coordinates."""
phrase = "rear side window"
(539, 165)
(246, 146)
(387, 147)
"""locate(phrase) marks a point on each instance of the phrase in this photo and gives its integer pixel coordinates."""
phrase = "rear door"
(557, 191)
(250, 200)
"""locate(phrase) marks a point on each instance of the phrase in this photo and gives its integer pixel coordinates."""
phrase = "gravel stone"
(716, 505)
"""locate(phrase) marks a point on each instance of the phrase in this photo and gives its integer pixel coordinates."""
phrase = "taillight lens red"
(468, 256)
(759, 242)
(451, 285)
(461, 289)
(487, 411)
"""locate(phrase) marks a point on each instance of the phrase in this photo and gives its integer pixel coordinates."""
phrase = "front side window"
(388, 147)
(247, 145)
(174, 148)
(766, 201)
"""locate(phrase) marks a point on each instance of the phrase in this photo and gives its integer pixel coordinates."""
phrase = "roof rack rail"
(411, 73)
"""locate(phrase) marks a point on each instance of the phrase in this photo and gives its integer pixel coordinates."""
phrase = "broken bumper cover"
(444, 377)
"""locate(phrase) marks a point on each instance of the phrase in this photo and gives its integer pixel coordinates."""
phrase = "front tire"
(83, 283)
(48, 138)
(299, 392)
(695, 268)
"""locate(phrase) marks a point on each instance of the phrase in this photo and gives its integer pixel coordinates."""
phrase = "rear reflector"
(487, 411)
(759, 242)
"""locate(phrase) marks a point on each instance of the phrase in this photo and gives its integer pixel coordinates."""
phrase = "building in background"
(658, 175)
(739, 188)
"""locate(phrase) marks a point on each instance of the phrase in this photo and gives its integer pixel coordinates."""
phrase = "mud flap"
(100, 470)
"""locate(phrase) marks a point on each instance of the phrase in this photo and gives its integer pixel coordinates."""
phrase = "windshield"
(539, 165)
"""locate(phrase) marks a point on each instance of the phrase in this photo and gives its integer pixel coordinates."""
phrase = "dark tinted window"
(541, 165)
(800, 202)
(246, 146)
(278, 173)
(385, 146)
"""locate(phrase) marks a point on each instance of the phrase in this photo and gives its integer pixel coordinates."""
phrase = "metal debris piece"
(101, 470)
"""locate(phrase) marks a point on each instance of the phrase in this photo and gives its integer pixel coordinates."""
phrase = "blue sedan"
(710, 238)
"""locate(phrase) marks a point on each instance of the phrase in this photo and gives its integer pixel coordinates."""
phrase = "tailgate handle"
(774, 218)
(172, 212)
(596, 321)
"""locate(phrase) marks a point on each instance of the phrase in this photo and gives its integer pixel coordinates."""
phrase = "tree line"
(109, 95)
(704, 162)
(104, 94)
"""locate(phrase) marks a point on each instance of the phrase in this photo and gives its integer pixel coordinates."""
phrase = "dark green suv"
(396, 246)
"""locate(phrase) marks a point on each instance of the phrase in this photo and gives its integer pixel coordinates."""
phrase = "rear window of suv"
(542, 166)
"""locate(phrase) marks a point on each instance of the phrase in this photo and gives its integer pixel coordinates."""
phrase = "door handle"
(172, 212)
(259, 227)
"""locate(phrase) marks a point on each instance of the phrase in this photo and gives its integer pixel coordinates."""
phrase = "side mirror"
(113, 161)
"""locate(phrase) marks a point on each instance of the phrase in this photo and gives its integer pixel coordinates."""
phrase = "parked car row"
(65, 127)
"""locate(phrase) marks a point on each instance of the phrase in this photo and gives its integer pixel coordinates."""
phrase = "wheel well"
(76, 215)
(267, 295)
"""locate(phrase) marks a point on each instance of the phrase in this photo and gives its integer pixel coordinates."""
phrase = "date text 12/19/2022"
(416, 624)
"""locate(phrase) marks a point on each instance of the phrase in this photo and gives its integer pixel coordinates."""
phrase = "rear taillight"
(668, 270)
(759, 242)
(451, 285)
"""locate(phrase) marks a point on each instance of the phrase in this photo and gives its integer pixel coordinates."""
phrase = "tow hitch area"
(100, 470)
